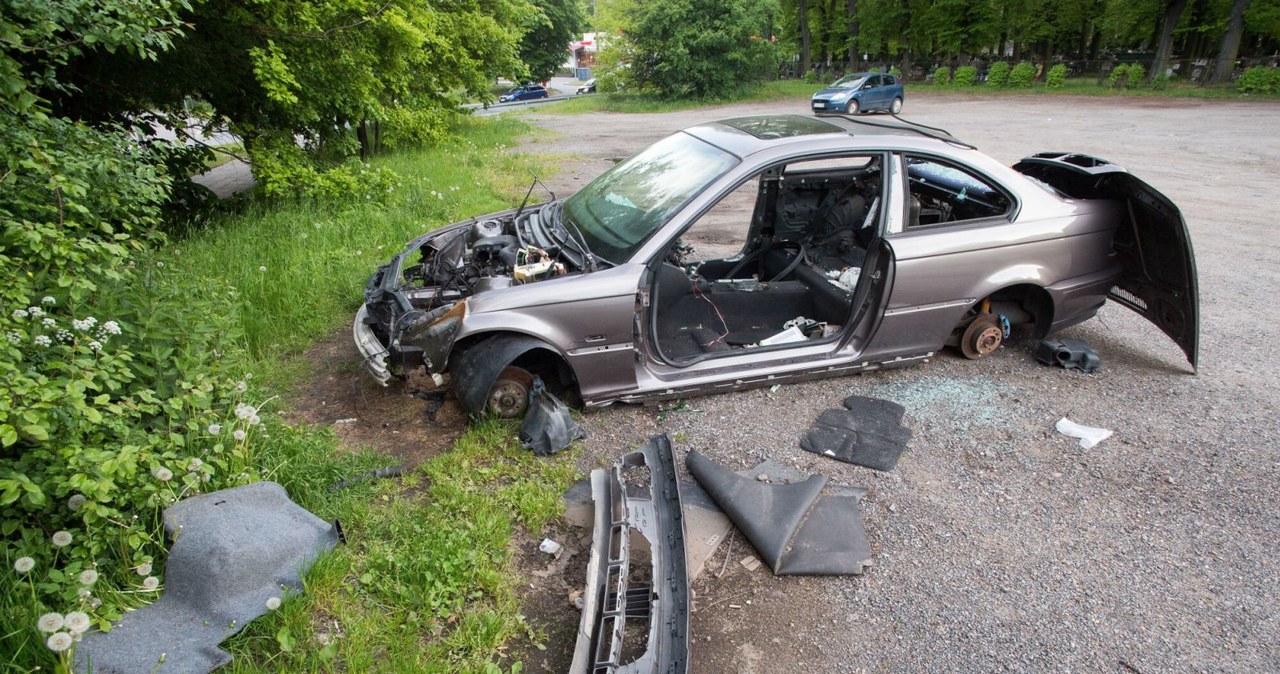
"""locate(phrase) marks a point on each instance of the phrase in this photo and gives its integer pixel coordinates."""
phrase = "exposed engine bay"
(485, 255)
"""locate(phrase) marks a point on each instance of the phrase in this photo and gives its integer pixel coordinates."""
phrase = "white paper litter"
(1089, 435)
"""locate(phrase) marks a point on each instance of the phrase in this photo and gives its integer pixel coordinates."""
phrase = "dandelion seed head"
(163, 474)
(160, 265)
(150, 583)
(75, 502)
(62, 539)
(195, 463)
(143, 569)
(273, 603)
(59, 642)
(50, 622)
(215, 429)
(238, 435)
(78, 622)
(255, 420)
(24, 564)
(88, 577)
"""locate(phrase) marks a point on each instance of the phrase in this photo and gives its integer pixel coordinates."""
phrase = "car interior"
(776, 262)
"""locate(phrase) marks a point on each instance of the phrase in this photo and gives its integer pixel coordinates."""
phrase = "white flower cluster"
(13, 336)
(109, 328)
(84, 325)
(35, 312)
(19, 314)
(42, 340)
(49, 323)
(48, 299)
(95, 346)
(64, 335)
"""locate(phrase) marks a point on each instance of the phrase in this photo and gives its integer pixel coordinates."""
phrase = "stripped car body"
(770, 249)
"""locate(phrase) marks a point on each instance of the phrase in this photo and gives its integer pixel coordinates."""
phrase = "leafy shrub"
(811, 77)
(1259, 80)
(896, 72)
(415, 127)
(1021, 76)
(998, 74)
(282, 171)
(942, 76)
(965, 76)
(1127, 75)
(1056, 76)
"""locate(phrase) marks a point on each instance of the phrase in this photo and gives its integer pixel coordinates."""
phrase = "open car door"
(1159, 277)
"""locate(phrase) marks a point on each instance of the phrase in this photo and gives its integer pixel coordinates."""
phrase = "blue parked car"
(861, 92)
(524, 92)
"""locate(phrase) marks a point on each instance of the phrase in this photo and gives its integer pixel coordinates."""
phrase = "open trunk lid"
(1159, 277)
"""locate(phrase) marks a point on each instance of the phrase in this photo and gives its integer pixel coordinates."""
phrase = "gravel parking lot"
(999, 544)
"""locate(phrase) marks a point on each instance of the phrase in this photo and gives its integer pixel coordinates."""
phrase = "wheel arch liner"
(621, 512)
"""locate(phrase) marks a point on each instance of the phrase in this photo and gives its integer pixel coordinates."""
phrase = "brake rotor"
(983, 336)
(509, 395)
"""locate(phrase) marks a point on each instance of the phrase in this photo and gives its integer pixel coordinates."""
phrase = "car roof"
(743, 136)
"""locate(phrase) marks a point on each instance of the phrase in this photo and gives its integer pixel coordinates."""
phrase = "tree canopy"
(544, 47)
(691, 48)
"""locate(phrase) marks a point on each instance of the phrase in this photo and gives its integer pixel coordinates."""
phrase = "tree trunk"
(1230, 47)
(1172, 12)
(851, 7)
(805, 55)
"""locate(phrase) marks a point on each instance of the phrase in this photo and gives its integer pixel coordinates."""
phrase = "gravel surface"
(1001, 545)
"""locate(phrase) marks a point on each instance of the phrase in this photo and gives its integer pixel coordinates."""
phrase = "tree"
(1230, 45)
(693, 48)
(1168, 22)
(544, 47)
(328, 72)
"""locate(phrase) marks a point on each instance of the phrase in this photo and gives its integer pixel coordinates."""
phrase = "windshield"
(620, 210)
(849, 81)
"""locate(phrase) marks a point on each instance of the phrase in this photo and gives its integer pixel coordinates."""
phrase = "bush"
(965, 76)
(942, 76)
(1021, 76)
(1127, 75)
(812, 77)
(998, 74)
(1259, 80)
(896, 72)
(1056, 76)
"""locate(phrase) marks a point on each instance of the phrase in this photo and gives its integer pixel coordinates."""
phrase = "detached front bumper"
(372, 353)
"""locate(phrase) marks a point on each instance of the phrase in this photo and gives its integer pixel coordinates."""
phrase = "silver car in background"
(761, 250)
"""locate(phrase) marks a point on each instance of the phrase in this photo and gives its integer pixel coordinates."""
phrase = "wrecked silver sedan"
(759, 250)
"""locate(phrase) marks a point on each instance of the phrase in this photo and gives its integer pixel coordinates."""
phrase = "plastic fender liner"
(475, 370)
(622, 510)
(431, 334)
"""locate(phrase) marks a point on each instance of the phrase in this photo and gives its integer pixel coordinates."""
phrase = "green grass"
(425, 582)
(802, 90)
(299, 268)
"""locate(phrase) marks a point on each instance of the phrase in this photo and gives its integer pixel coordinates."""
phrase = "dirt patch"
(411, 420)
